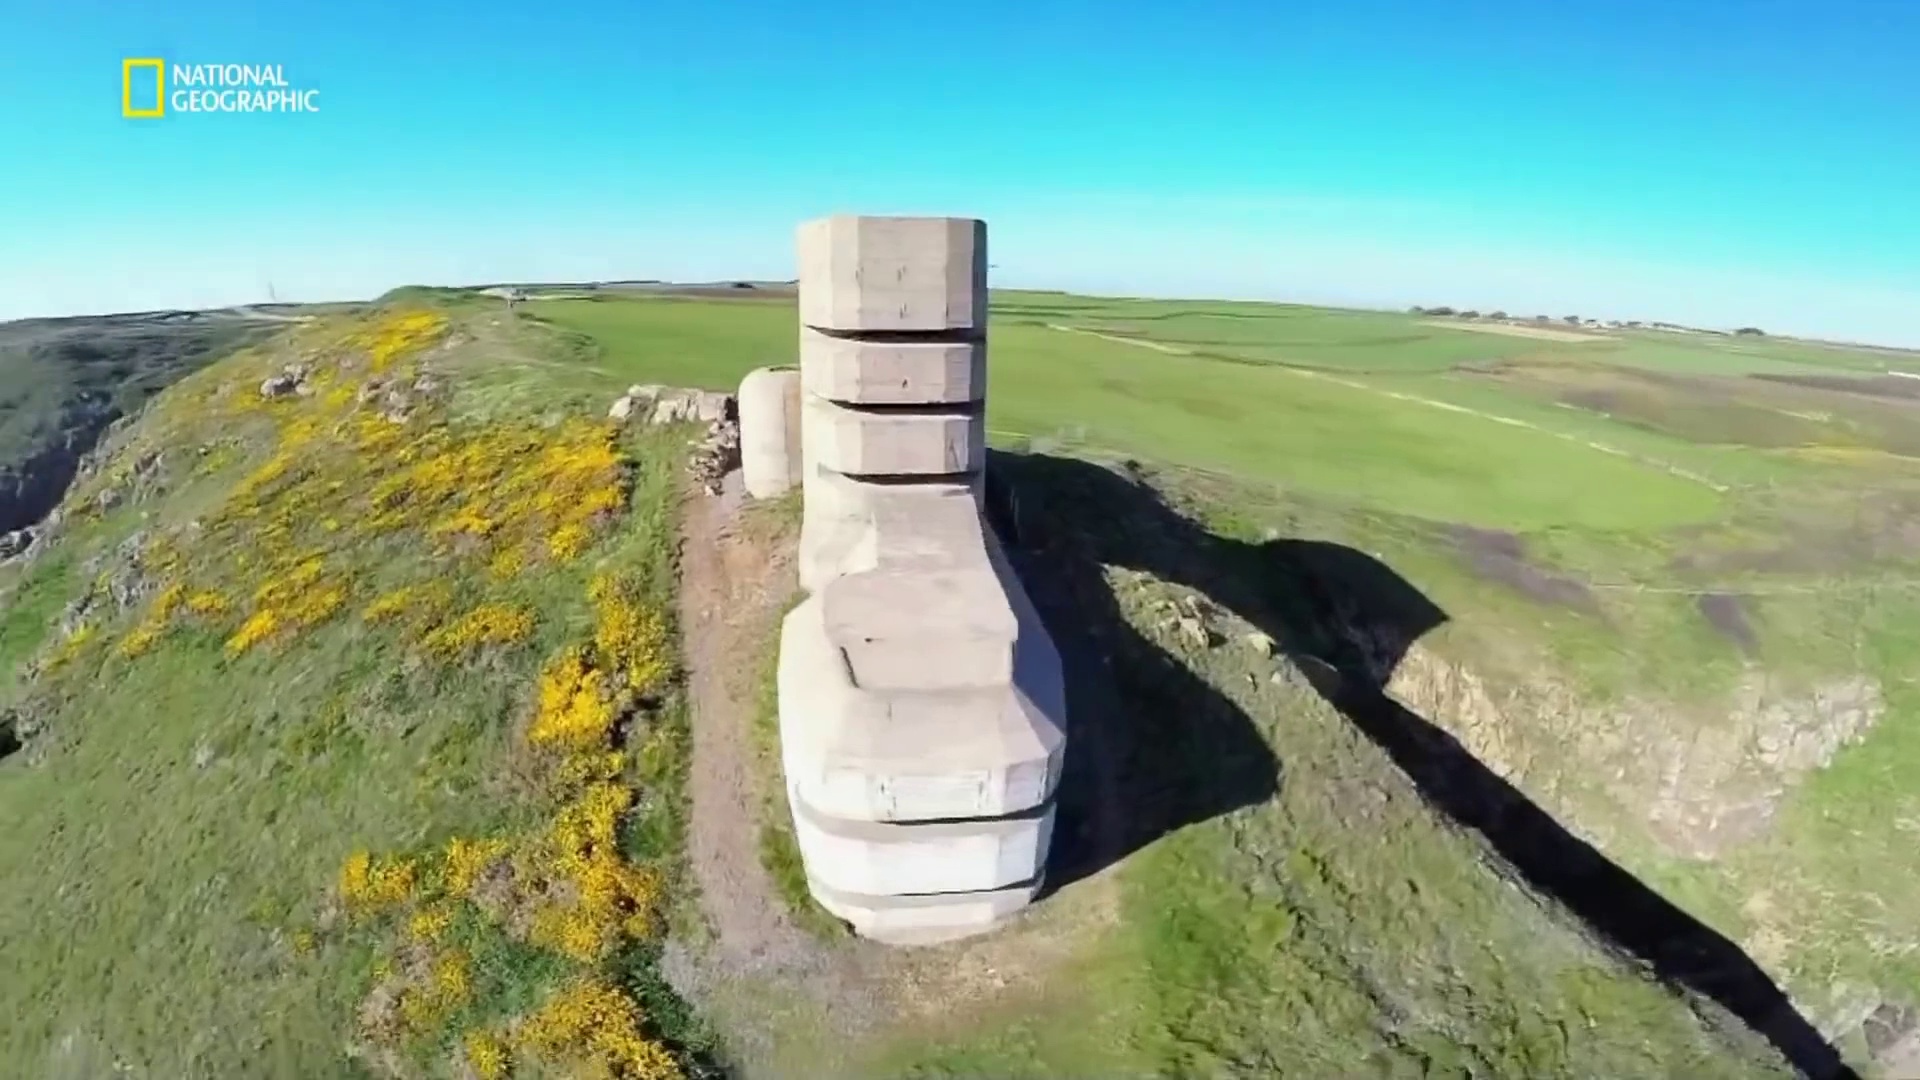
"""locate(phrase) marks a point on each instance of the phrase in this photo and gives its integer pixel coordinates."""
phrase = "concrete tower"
(922, 712)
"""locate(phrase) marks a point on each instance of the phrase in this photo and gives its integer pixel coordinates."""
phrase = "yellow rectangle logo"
(127, 68)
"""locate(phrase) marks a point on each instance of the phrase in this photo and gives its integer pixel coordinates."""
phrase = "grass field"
(1257, 421)
(1631, 477)
(315, 759)
(1680, 604)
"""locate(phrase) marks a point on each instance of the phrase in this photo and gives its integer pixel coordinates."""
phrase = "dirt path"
(734, 586)
(767, 982)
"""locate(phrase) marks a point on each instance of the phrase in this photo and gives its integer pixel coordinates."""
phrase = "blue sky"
(1717, 161)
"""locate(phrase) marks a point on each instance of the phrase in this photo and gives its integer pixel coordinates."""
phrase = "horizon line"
(1655, 325)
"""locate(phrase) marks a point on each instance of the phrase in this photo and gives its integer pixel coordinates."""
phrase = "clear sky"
(1726, 162)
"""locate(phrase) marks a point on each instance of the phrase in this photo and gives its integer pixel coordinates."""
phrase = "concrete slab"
(893, 859)
(919, 629)
(892, 372)
(897, 755)
(841, 530)
(893, 273)
(926, 919)
(942, 440)
(770, 455)
(920, 527)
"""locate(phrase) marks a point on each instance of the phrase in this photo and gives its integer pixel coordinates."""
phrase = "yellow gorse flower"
(487, 1054)
(599, 1025)
(366, 475)
(343, 474)
(465, 860)
(488, 624)
(368, 884)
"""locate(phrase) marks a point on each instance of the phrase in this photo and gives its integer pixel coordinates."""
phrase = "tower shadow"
(1177, 751)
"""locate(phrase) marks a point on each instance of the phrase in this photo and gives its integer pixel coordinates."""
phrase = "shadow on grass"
(1139, 770)
(1184, 754)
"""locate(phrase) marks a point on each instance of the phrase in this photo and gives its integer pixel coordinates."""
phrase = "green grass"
(710, 344)
(1383, 342)
(184, 815)
(31, 609)
(252, 785)
(1534, 401)
(1177, 991)
(1345, 341)
(1259, 422)
(1276, 425)
(779, 847)
(1740, 356)
(1342, 927)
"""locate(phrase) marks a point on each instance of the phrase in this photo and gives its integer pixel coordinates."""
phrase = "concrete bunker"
(922, 707)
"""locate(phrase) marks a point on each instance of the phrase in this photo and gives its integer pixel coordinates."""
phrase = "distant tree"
(1469, 314)
(1751, 331)
(1416, 310)
(1633, 324)
(1570, 320)
(1439, 311)
(1498, 315)
(1541, 318)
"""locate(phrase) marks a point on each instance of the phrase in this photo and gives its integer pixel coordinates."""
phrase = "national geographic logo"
(146, 93)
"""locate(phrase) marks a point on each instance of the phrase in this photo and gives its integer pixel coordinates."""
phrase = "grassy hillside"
(351, 740)
(352, 734)
(1677, 571)
(1244, 883)
(63, 380)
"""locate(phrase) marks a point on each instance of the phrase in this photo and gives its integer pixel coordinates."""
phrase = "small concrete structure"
(922, 709)
(892, 372)
(894, 274)
(769, 405)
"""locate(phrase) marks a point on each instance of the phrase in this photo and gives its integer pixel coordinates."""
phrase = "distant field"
(680, 342)
(1637, 430)
(1280, 426)
(1254, 420)
(1538, 333)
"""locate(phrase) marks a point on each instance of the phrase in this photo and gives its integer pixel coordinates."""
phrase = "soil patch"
(1888, 387)
(1600, 401)
(1883, 530)
(1539, 333)
(733, 585)
(1803, 551)
(1727, 614)
(1500, 556)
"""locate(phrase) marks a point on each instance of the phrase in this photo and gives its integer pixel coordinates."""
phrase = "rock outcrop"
(69, 382)
(716, 452)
